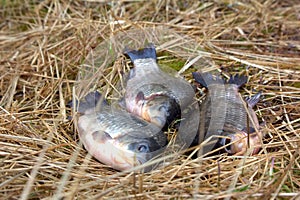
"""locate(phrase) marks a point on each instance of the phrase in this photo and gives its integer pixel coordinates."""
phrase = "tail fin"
(147, 52)
(206, 79)
(252, 101)
(91, 100)
(238, 80)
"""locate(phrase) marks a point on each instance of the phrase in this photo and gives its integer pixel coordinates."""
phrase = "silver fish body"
(116, 137)
(224, 112)
(153, 94)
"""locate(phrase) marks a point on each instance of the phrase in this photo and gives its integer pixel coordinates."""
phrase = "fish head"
(237, 143)
(125, 152)
(117, 138)
(161, 110)
(138, 148)
(233, 143)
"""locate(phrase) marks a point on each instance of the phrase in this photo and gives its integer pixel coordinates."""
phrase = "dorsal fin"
(91, 100)
(148, 52)
(206, 79)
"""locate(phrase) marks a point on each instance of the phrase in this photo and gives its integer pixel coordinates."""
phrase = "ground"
(44, 44)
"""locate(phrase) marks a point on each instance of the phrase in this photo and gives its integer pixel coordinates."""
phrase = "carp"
(224, 113)
(114, 136)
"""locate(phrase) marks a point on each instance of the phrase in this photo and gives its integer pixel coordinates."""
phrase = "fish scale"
(227, 95)
(116, 137)
(177, 87)
(153, 94)
(224, 111)
(120, 123)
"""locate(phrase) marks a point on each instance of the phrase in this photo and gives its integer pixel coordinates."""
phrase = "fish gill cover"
(105, 69)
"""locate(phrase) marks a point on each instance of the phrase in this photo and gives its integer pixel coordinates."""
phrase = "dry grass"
(43, 44)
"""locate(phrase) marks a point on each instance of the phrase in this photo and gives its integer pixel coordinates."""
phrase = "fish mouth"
(159, 121)
(161, 113)
(234, 143)
(237, 143)
(140, 160)
(138, 152)
(145, 161)
(127, 160)
(226, 143)
(156, 117)
(136, 160)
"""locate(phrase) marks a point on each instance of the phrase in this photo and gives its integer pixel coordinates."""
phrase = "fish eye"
(139, 147)
(143, 148)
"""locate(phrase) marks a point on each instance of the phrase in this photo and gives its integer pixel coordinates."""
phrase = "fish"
(225, 114)
(115, 137)
(152, 94)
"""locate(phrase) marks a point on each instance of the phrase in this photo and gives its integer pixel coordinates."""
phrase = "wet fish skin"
(148, 87)
(155, 104)
(233, 123)
(239, 140)
(116, 137)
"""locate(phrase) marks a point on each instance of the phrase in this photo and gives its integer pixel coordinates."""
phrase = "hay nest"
(43, 45)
